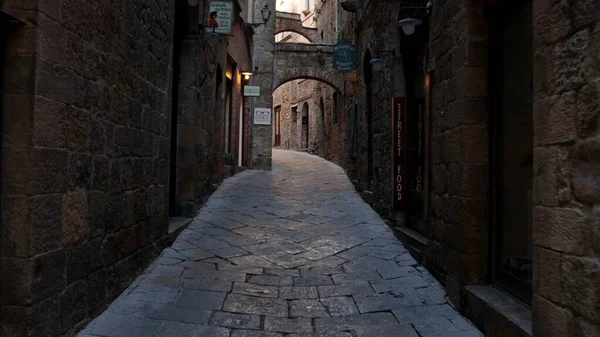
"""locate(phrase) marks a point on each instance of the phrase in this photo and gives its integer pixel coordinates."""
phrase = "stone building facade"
(500, 166)
(116, 117)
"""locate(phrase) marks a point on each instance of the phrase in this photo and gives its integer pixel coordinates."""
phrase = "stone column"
(262, 59)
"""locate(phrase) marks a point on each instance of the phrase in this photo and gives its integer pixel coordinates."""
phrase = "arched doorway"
(368, 78)
(305, 125)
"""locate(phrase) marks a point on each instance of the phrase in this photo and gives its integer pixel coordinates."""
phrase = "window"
(307, 6)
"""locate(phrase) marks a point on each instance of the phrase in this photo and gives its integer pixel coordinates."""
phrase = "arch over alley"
(311, 61)
(292, 22)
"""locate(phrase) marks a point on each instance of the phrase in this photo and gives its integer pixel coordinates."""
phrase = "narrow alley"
(294, 251)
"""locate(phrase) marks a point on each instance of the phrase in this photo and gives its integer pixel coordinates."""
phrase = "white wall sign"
(220, 16)
(262, 116)
(251, 90)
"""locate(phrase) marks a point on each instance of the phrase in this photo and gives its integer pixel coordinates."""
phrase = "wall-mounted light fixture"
(410, 22)
(376, 62)
(265, 13)
(246, 75)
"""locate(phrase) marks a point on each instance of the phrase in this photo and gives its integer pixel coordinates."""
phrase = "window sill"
(496, 313)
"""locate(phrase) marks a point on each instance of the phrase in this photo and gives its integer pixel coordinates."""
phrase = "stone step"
(414, 241)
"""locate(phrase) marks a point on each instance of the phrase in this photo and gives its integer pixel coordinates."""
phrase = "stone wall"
(85, 153)
(459, 145)
(566, 164)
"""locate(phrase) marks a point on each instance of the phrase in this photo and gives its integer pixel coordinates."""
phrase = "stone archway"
(291, 22)
(295, 61)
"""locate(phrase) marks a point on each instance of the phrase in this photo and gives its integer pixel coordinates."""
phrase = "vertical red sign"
(399, 148)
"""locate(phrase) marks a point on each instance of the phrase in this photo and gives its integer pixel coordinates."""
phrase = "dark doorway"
(228, 115)
(368, 76)
(511, 88)
(180, 30)
(277, 120)
(414, 52)
(305, 126)
(294, 128)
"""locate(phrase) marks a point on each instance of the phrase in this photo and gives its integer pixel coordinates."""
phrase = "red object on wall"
(399, 150)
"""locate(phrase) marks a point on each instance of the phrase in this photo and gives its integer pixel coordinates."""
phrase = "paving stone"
(295, 293)
(270, 280)
(177, 329)
(216, 275)
(255, 305)
(229, 252)
(345, 323)
(368, 275)
(397, 272)
(252, 261)
(345, 289)
(288, 325)
(323, 334)
(385, 301)
(198, 265)
(201, 299)
(178, 314)
(238, 321)
(308, 281)
(409, 282)
(165, 281)
(340, 306)
(307, 308)
(255, 290)
(113, 325)
(282, 272)
(211, 285)
(386, 330)
(254, 333)
(170, 271)
(264, 253)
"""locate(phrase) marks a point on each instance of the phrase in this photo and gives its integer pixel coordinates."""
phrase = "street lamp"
(410, 22)
(265, 12)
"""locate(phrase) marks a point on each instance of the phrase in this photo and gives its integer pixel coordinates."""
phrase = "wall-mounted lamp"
(377, 62)
(265, 12)
(409, 23)
(246, 75)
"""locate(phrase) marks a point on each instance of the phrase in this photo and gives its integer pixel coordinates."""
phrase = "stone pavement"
(293, 252)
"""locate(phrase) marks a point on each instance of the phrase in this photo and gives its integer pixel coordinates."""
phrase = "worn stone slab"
(295, 293)
(384, 302)
(340, 306)
(254, 333)
(237, 321)
(288, 325)
(270, 280)
(256, 305)
(211, 285)
(255, 290)
(178, 314)
(113, 325)
(200, 299)
(307, 281)
(345, 289)
(307, 308)
(177, 329)
(345, 323)
(216, 275)
(367, 275)
(386, 330)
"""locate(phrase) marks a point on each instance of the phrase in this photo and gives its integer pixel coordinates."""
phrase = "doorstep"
(495, 312)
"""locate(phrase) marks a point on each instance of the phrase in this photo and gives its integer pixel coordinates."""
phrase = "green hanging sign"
(344, 56)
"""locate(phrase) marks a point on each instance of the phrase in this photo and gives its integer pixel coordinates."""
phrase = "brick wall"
(85, 151)
(566, 165)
